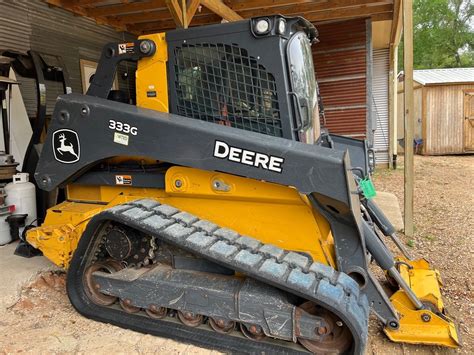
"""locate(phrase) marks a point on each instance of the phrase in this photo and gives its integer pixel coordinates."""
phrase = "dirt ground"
(43, 321)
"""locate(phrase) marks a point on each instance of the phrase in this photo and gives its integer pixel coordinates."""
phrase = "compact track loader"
(216, 211)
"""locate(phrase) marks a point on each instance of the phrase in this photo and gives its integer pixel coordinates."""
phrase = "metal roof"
(444, 76)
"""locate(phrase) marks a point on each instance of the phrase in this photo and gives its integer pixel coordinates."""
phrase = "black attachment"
(41, 67)
(16, 221)
(25, 249)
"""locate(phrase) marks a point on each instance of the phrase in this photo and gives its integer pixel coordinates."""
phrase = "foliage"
(443, 34)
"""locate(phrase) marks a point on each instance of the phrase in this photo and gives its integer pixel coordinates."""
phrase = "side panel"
(271, 213)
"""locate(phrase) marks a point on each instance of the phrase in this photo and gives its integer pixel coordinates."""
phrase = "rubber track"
(289, 271)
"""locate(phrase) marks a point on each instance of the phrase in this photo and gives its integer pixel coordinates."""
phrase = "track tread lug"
(157, 222)
(334, 294)
(119, 208)
(200, 240)
(186, 218)
(221, 249)
(247, 242)
(146, 203)
(301, 280)
(348, 283)
(166, 210)
(247, 259)
(321, 269)
(177, 231)
(274, 270)
(137, 213)
(272, 251)
(206, 226)
(297, 260)
(226, 233)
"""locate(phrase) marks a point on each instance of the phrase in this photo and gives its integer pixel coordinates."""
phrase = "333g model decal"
(123, 127)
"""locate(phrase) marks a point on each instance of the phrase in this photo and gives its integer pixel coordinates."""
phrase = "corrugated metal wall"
(380, 104)
(444, 119)
(342, 70)
(33, 25)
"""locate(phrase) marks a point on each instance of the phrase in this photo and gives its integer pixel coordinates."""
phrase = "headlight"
(281, 26)
(262, 26)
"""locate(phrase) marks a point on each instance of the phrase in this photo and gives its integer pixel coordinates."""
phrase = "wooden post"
(409, 114)
(184, 13)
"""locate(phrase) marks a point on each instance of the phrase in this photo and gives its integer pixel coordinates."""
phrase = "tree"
(443, 34)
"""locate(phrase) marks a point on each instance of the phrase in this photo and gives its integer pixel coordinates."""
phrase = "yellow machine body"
(272, 213)
(151, 76)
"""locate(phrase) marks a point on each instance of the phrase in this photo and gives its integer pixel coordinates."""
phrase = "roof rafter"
(156, 15)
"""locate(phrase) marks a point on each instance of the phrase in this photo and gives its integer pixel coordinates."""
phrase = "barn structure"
(352, 59)
(444, 110)
(355, 60)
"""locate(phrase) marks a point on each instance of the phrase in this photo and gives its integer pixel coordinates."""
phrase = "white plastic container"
(5, 236)
(22, 194)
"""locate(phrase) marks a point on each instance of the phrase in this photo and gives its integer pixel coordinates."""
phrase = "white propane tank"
(5, 236)
(22, 194)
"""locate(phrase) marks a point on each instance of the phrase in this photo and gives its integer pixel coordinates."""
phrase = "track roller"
(221, 325)
(190, 319)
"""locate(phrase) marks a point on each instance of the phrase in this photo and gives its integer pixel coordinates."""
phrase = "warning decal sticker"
(123, 179)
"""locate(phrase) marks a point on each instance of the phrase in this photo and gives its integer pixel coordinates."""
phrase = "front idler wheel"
(336, 337)
(92, 288)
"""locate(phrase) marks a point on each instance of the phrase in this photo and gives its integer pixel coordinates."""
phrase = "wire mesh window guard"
(223, 84)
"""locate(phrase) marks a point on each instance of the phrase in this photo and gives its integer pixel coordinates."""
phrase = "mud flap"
(426, 326)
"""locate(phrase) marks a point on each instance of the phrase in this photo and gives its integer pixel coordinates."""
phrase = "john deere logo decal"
(66, 146)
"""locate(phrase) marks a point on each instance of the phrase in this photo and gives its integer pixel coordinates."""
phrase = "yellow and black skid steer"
(216, 211)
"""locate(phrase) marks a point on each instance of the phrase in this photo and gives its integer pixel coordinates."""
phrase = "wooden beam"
(159, 26)
(193, 5)
(316, 16)
(318, 12)
(385, 16)
(83, 2)
(323, 4)
(81, 12)
(313, 12)
(184, 13)
(149, 16)
(345, 13)
(397, 25)
(121, 9)
(267, 4)
(219, 8)
(176, 12)
(409, 114)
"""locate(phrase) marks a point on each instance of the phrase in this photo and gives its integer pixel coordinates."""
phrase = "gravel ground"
(43, 321)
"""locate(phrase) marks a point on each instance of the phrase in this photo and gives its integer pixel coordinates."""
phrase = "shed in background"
(444, 110)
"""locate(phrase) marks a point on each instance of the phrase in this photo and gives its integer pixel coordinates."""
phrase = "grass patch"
(430, 237)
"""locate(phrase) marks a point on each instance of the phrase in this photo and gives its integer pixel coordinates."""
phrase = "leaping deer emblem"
(66, 147)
